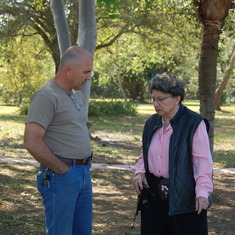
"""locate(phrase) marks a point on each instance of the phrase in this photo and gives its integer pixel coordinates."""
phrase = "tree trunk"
(223, 84)
(120, 85)
(62, 29)
(87, 36)
(211, 13)
(207, 73)
(55, 53)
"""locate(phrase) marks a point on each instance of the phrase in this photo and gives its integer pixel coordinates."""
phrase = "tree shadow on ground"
(114, 203)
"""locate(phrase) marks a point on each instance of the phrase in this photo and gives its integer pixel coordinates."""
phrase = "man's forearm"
(43, 155)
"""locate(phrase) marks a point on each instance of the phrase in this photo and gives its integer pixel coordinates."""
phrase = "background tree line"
(136, 40)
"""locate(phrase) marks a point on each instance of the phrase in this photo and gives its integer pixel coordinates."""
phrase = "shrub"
(108, 107)
(24, 108)
(99, 108)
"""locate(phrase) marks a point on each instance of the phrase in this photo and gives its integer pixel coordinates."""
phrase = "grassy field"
(116, 140)
(125, 132)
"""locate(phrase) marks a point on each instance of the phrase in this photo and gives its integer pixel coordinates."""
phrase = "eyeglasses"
(160, 99)
(72, 97)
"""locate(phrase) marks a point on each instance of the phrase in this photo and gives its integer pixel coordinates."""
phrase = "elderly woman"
(175, 166)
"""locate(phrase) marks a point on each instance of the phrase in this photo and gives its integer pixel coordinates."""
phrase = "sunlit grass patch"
(118, 139)
(8, 110)
(225, 158)
(145, 109)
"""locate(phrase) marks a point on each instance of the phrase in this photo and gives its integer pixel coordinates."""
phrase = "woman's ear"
(178, 98)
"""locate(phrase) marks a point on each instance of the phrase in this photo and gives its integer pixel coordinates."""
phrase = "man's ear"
(67, 70)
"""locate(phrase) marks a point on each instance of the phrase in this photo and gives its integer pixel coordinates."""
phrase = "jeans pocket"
(62, 179)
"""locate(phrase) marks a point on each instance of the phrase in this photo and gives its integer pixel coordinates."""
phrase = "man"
(56, 135)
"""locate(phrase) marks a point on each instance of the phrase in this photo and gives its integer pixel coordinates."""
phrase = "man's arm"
(34, 143)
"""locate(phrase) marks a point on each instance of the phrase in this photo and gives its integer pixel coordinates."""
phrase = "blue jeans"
(67, 200)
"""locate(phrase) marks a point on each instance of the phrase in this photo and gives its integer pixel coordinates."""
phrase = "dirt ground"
(114, 199)
(21, 210)
(115, 205)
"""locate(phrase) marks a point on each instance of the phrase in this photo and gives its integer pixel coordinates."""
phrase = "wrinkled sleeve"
(139, 166)
(41, 111)
(202, 162)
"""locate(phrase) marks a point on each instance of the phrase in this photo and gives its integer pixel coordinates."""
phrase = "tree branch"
(62, 28)
(196, 3)
(122, 31)
(20, 34)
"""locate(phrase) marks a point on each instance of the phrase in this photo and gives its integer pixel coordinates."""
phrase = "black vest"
(182, 183)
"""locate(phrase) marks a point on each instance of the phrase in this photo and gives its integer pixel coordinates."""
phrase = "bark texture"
(62, 28)
(87, 35)
(211, 14)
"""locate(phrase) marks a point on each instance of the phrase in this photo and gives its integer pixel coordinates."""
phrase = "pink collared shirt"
(158, 158)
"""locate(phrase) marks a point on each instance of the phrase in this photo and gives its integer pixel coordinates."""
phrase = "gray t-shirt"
(67, 134)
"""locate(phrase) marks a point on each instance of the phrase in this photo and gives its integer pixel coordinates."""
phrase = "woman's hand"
(201, 203)
(139, 181)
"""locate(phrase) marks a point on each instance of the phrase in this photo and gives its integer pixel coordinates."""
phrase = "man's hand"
(201, 203)
(139, 181)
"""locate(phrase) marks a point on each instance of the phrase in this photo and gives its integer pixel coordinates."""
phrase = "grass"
(118, 139)
(115, 140)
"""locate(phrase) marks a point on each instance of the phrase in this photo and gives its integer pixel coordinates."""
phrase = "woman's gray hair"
(168, 83)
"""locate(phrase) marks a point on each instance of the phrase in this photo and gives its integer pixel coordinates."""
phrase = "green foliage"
(134, 37)
(24, 108)
(101, 90)
(110, 8)
(111, 107)
(28, 18)
(226, 55)
(96, 107)
(26, 65)
(166, 39)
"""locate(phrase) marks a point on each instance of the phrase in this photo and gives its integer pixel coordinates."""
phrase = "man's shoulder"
(48, 87)
(50, 90)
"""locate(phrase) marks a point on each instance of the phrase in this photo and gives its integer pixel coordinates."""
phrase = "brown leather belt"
(84, 161)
